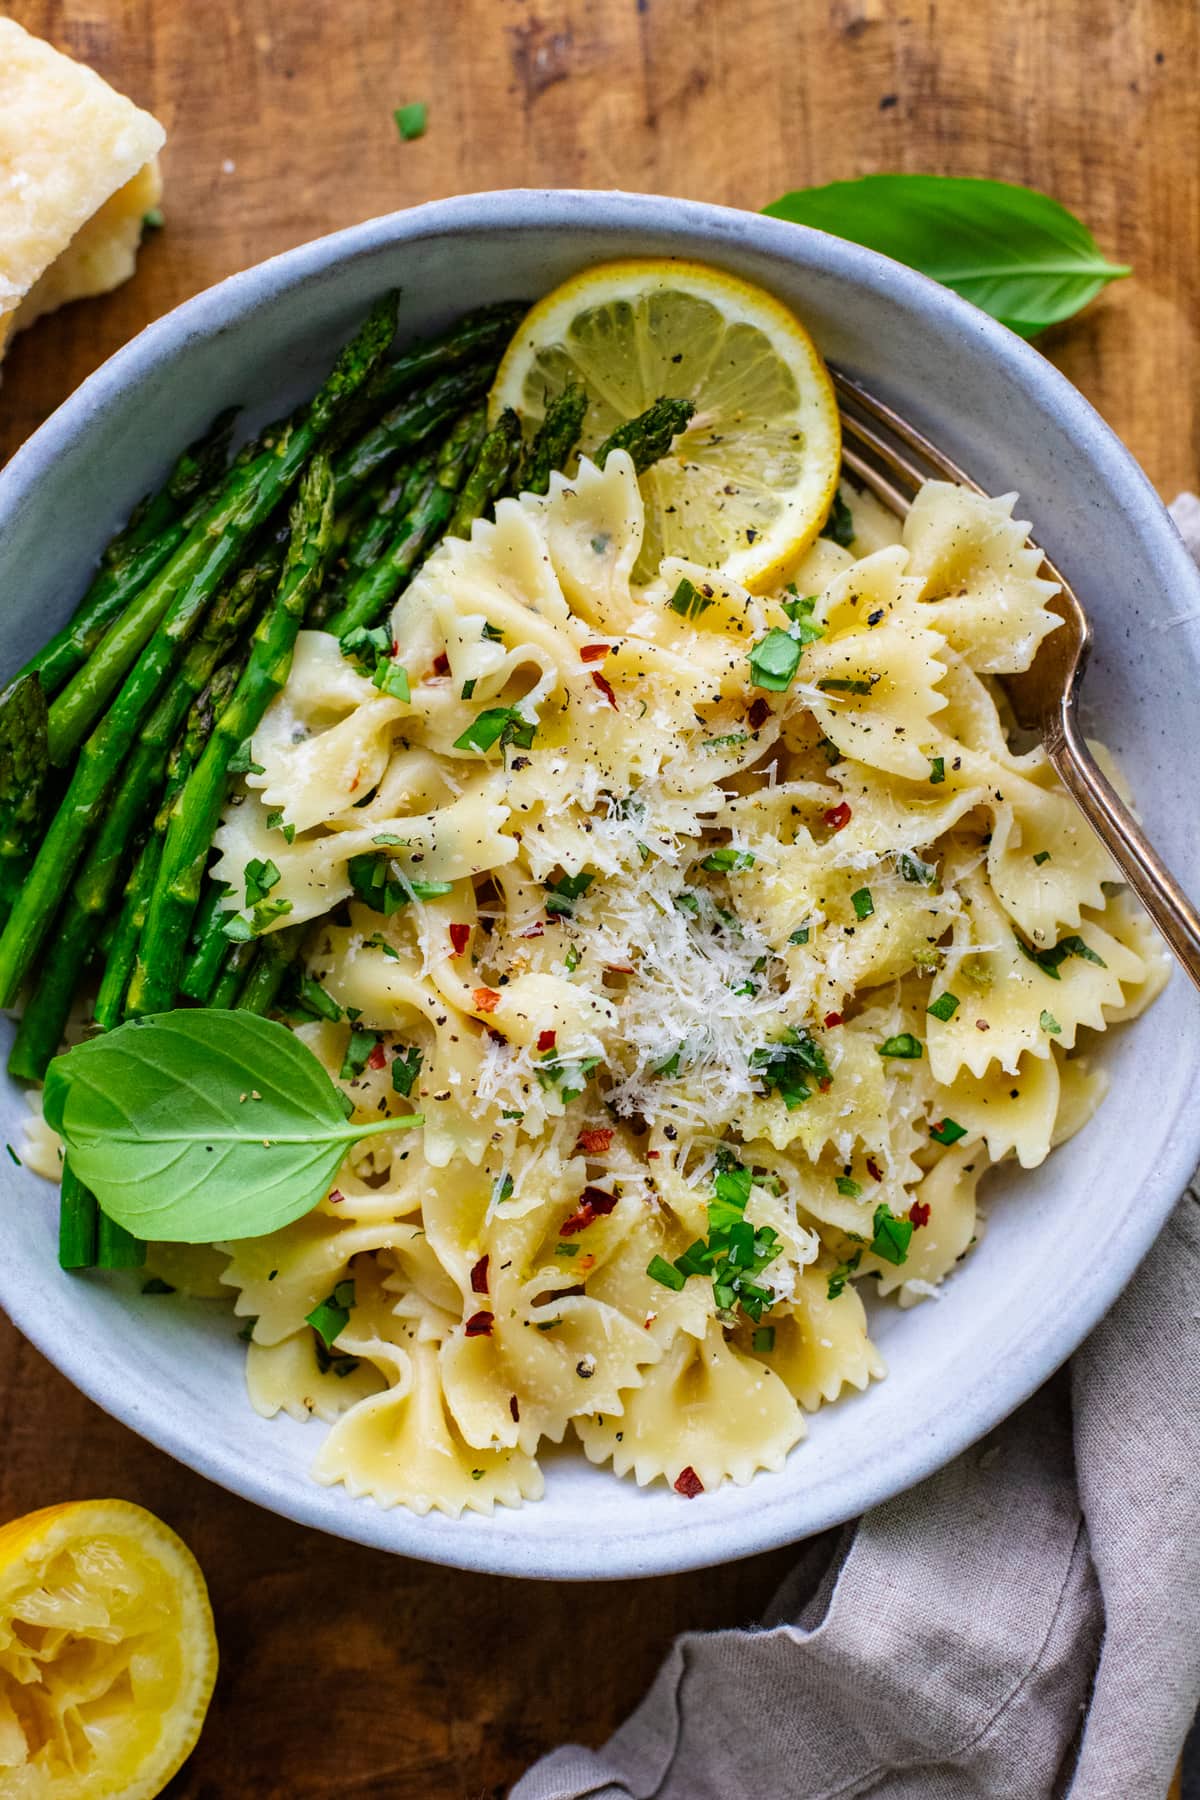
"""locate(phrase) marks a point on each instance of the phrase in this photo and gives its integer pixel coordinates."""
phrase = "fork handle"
(1125, 841)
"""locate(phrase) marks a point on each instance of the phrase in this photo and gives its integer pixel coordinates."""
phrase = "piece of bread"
(78, 171)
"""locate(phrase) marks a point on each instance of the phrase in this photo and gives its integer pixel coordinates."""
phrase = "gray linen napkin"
(1024, 1624)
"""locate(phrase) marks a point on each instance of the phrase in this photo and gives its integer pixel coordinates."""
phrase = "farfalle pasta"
(723, 942)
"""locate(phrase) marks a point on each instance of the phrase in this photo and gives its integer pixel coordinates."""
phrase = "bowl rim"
(706, 1540)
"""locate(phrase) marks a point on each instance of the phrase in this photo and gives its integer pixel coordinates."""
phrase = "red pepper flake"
(594, 1204)
(594, 652)
(459, 938)
(441, 665)
(619, 968)
(514, 1409)
(825, 1083)
(874, 1170)
(595, 1140)
(605, 689)
(918, 1212)
(537, 929)
(688, 1483)
(837, 816)
(758, 714)
(480, 1324)
(653, 1155)
(547, 1040)
(479, 1276)
(378, 1057)
(336, 1197)
(486, 1000)
(832, 1019)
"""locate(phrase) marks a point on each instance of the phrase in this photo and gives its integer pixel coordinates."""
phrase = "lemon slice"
(747, 487)
(107, 1653)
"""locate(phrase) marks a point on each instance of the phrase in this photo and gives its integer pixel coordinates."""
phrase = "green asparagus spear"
(199, 568)
(117, 1248)
(555, 442)
(499, 455)
(249, 494)
(276, 954)
(649, 436)
(197, 809)
(479, 337)
(238, 967)
(408, 425)
(419, 529)
(157, 527)
(154, 758)
(78, 1222)
(208, 946)
(122, 949)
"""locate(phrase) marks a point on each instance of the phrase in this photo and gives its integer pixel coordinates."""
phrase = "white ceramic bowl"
(1061, 1241)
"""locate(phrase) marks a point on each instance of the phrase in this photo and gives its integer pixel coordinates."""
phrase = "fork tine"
(914, 442)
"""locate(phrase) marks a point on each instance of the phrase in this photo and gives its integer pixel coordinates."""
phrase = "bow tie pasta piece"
(283, 1277)
(593, 525)
(1013, 1112)
(981, 587)
(945, 1199)
(706, 1407)
(871, 682)
(1013, 999)
(1124, 920)
(311, 780)
(820, 1345)
(1044, 862)
(289, 1377)
(403, 1448)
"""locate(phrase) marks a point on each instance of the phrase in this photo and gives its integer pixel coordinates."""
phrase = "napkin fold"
(1023, 1625)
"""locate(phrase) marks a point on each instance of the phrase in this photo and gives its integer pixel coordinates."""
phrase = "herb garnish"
(862, 903)
(501, 725)
(411, 119)
(562, 894)
(332, 1316)
(840, 524)
(944, 1007)
(774, 660)
(1050, 961)
(782, 1066)
(688, 601)
(904, 1047)
(892, 1234)
(734, 1251)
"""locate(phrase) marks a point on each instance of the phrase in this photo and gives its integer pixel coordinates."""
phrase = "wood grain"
(345, 1672)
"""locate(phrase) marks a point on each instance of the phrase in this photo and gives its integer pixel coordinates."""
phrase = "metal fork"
(886, 455)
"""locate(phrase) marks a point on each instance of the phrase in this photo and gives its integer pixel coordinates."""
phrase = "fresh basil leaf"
(199, 1125)
(1016, 253)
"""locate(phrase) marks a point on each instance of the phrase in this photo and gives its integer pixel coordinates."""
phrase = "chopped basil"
(378, 942)
(392, 678)
(904, 1047)
(913, 869)
(491, 634)
(862, 903)
(670, 1067)
(851, 1189)
(261, 876)
(411, 119)
(501, 725)
(799, 936)
(732, 740)
(331, 1318)
(836, 684)
(468, 688)
(688, 601)
(948, 1132)
(358, 1048)
(313, 998)
(944, 1007)
(569, 1074)
(937, 770)
(799, 610)
(892, 1235)
(686, 902)
(660, 1270)
(240, 763)
(502, 1188)
(366, 644)
(275, 823)
(763, 1339)
(1042, 856)
(406, 1067)
(783, 1066)
(774, 661)
(1050, 961)
(1049, 1023)
(727, 860)
(562, 894)
(572, 959)
(566, 1249)
(841, 1274)
(840, 524)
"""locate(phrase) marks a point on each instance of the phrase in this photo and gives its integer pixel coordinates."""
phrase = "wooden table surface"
(345, 1672)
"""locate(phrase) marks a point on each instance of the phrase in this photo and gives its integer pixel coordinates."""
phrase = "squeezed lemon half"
(107, 1653)
(747, 487)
